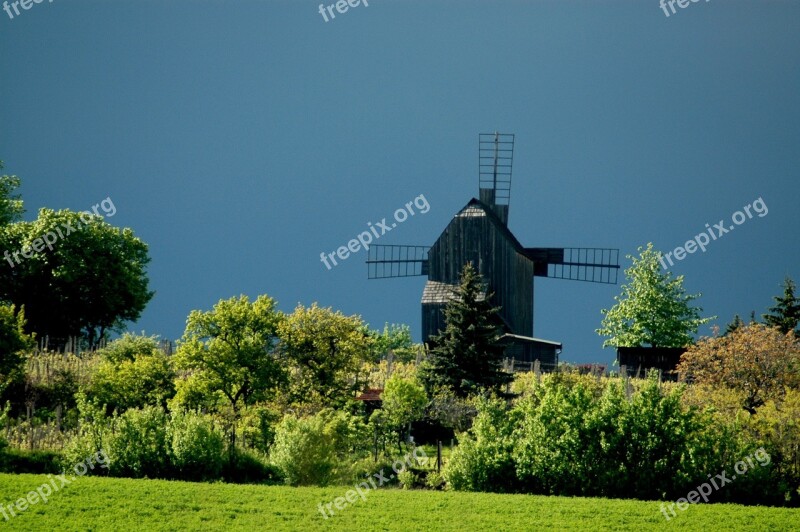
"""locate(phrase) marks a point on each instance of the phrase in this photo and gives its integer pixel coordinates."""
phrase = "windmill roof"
(437, 292)
(530, 339)
(476, 207)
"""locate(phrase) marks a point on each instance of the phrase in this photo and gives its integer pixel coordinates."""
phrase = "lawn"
(91, 503)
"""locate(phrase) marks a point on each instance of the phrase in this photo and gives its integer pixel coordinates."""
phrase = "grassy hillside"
(96, 504)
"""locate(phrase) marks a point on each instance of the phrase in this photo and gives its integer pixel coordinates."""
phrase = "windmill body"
(479, 234)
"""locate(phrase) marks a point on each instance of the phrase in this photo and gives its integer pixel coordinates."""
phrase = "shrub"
(407, 479)
(434, 480)
(195, 448)
(247, 467)
(302, 451)
(34, 462)
(316, 449)
(138, 447)
(133, 373)
(482, 461)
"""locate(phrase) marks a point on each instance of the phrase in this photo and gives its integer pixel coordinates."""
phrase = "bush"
(434, 480)
(315, 450)
(34, 462)
(303, 452)
(138, 447)
(482, 461)
(407, 479)
(133, 373)
(247, 467)
(195, 449)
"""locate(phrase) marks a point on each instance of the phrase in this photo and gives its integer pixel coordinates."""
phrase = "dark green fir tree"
(467, 356)
(785, 315)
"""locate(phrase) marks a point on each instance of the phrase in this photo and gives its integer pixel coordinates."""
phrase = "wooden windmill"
(479, 234)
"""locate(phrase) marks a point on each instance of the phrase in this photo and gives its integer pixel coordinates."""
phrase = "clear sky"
(242, 139)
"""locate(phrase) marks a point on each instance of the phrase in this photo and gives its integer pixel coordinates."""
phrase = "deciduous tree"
(324, 353)
(653, 308)
(231, 350)
(755, 359)
(89, 280)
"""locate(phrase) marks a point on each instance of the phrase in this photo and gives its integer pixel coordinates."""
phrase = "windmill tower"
(479, 234)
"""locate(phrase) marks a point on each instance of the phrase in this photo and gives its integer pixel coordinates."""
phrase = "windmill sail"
(495, 159)
(595, 265)
(396, 261)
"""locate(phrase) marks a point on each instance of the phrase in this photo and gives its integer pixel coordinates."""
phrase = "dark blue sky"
(241, 139)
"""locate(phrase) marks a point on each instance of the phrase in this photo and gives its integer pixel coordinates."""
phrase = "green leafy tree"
(134, 373)
(404, 402)
(81, 276)
(785, 315)
(13, 341)
(467, 356)
(231, 350)
(10, 204)
(394, 338)
(653, 309)
(324, 351)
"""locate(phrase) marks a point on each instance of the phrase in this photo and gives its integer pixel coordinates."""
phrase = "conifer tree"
(785, 315)
(732, 326)
(467, 356)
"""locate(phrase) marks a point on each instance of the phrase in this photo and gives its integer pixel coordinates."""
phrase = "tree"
(785, 315)
(324, 352)
(735, 324)
(231, 350)
(757, 360)
(81, 276)
(653, 308)
(404, 402)
(467, 356)
(395, 338)
(13, 341)
(134, 373)
(10, 204)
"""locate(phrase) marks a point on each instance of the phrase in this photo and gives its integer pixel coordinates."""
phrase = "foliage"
(378, 373)
(563, 437)
(13, 341)
(324, 351)
(451, 411)
(133, 373)
(90, 281)
(407, 479)
(404, 401)
(653, 308)
(11, 208)
(733, 325)
(755, 359)
(483, 459)
(194, 446)
(258, 425)
(313, 449)
(467, 355)
(138, 446)
(394, 338)
(231, 350)
(785, 315)
(434, 480)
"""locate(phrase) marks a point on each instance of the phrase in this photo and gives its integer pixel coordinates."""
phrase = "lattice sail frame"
(396, 261)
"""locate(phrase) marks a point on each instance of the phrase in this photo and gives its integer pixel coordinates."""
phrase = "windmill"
(479, 233)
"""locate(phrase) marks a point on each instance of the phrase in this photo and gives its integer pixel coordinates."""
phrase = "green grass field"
(92, 503)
